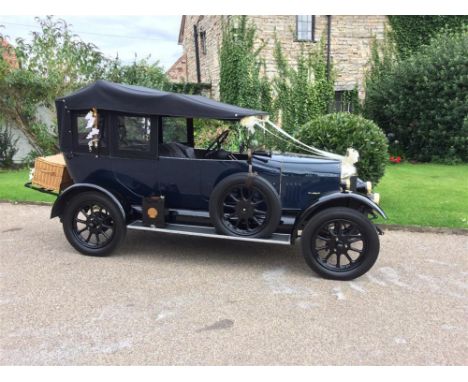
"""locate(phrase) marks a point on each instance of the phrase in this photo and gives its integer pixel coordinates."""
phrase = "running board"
(196, 230)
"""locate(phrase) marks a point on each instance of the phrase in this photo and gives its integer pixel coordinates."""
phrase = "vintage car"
(130, 153)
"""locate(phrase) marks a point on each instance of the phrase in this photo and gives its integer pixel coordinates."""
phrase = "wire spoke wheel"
(93, 225)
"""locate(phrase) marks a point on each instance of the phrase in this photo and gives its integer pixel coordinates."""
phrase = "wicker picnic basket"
(51, 173)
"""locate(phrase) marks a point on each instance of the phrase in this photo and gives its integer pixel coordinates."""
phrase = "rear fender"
(65, 195)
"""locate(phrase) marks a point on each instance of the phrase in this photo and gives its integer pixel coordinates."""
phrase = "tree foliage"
(140, 72)
(410, 33)
(7, 146)
(423, 99)
(53, 63)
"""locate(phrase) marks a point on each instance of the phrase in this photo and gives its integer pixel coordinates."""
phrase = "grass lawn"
(425, 195)
(12, 188)
(411, 194)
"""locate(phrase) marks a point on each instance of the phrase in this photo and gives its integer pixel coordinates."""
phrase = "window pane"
(83, 132)
(134, 133)
(174, 129)
(304, 27)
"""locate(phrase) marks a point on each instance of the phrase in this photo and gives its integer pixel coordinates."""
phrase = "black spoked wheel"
(340, 243)
(93, 224)
(245, 205)
(244, 210)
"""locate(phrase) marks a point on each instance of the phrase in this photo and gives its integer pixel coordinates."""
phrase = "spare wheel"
(245, 205)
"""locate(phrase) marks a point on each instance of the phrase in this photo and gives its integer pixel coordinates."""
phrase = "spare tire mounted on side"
(245, 205)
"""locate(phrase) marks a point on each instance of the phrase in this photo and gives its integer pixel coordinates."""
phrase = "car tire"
(340, 243)
(245, 205)
(93, 224)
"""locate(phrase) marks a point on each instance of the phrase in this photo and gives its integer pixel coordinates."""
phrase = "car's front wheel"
(340, 243)
(93, 224)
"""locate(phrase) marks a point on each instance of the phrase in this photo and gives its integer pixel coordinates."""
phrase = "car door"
(134, 157)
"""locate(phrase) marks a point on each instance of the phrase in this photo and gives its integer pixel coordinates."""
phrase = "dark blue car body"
(304, 184)
(188, 183)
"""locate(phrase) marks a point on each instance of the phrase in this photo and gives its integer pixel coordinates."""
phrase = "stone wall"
(209, 58)
(351, 39)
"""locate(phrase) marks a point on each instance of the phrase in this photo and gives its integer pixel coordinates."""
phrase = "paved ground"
(177, 300)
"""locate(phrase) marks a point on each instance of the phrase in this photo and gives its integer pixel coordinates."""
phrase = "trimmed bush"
(337, 132)
(423, 100)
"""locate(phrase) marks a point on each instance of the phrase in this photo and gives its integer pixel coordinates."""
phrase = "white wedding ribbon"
(348, 161)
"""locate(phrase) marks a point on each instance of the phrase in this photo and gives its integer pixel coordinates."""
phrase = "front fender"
(64, 196)
(337, 199)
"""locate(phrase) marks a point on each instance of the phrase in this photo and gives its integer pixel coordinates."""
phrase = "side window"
(82, 132)
(134, 134)
(174, 130)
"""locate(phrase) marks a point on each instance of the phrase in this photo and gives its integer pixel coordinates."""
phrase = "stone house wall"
(178, 71)
(351, 39)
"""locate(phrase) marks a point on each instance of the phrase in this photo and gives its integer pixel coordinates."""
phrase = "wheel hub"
(244, 209)
(94, 223)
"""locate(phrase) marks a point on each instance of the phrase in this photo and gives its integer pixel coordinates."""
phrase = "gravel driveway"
(165, 300)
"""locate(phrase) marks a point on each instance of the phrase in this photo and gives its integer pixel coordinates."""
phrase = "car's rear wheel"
(245, 205)
(93, 224)
(340, 243)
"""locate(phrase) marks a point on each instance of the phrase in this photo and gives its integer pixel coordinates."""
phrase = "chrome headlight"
(376, 198)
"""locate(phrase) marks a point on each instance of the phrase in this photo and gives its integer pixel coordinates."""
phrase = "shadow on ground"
(145, 246)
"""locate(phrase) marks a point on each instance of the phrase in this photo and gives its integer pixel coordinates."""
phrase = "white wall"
(44, 115)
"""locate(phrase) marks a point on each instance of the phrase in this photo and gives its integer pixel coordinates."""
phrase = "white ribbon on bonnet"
(347, 161)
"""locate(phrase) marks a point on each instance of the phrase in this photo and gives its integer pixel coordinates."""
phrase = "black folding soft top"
(107, 95)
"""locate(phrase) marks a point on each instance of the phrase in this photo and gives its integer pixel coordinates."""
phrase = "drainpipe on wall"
(197, 53)
(328, 45)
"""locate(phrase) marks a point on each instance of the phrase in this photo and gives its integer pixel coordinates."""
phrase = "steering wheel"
(216, 144)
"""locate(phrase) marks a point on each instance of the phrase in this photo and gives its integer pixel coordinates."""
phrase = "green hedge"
(337, 132)
(423, 100)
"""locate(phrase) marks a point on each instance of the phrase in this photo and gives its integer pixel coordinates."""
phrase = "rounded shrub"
(339, 131)
(423, 100)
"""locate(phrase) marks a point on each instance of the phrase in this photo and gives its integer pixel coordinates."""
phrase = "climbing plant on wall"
(242, 81)
(303, 89)
(410, 33)
(298, 92)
